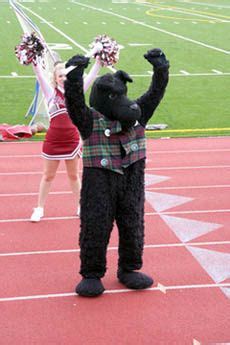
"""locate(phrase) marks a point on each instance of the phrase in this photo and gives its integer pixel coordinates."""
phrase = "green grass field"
(194, 35)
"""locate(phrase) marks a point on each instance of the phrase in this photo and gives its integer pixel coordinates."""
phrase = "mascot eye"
(112, 96)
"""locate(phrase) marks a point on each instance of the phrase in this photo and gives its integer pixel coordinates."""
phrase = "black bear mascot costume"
(113, 131)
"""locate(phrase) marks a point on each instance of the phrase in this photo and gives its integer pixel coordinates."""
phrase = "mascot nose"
(134, 106)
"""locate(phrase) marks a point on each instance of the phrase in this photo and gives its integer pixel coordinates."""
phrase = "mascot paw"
(134, 280)
(90, 287)
(157, 58)
(81, 62)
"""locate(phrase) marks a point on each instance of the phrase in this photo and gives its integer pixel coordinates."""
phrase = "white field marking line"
(148, 152)
(217, 71)
(146, 214)
(60, 32)
(147, 246)
(191, 167)
(147, 188)
(153, 28)
(184, 72)
(147, 169)
(21, 156)
(55, 29)
(187, 212)
(204, 4)
(72, 294)
(179, 151)
(33, 194)
(176, 10)
(44, 218)
(183, 187)
(16, 77)
(139, 44)
(139, 75)
(27, 173)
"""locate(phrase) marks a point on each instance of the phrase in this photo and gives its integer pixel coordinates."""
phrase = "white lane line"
(182, 151)
(191, 167)
(183, 187)
(44, 218)
(26, 173)
(148, 152)
(107, 292)
(147, 188)
(188, 212)
(149, 214)
(153, 27)
(20, 156)
(196, 342)
(162, 288)
(147, 169)
(147, 246)
(33, 194)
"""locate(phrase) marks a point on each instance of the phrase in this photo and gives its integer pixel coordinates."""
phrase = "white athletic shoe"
(37, 214)
(78, 211)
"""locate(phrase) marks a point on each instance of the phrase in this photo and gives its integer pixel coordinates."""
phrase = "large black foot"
(134, 280)
(90, 287)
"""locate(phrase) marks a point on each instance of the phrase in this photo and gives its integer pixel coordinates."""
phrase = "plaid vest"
(110, 148)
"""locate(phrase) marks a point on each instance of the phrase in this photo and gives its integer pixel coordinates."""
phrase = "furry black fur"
(108, 196)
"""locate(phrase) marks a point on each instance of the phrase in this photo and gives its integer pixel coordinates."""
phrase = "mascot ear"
(105, 83)
(123, 76)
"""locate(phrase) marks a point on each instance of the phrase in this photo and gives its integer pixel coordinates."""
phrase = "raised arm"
(30, 51)
(151, 99)
(47, 89)
(80, 114)
(91, 76)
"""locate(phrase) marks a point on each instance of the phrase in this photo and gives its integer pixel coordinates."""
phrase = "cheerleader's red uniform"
(62, 140)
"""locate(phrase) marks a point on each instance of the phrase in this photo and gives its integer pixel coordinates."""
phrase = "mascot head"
(109, 97)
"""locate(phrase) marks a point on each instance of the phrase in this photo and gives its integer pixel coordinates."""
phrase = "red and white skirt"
(62, 140)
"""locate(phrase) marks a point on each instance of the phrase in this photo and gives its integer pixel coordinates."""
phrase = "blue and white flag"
(38, 107)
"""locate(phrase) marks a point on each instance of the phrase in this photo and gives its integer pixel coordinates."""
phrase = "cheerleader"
(62, 140)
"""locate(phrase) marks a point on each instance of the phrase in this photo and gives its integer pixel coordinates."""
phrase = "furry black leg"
(134, 280)
(90, 287)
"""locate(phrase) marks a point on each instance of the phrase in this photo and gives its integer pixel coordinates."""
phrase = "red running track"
(187, 251)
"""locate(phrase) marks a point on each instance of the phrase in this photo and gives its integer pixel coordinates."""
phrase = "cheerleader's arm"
(91, 76)
(47, 89)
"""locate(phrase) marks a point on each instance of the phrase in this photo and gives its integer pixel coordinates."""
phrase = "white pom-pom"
(108, 50)
(29, 49)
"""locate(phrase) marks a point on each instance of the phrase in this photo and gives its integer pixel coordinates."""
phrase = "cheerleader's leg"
(72, 167)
